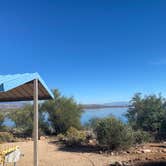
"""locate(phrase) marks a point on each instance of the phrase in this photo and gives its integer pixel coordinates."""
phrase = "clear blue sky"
(95, 50)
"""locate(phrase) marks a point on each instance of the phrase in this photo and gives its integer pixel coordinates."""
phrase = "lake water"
(92, 113)
(101, 113)
(8, 122)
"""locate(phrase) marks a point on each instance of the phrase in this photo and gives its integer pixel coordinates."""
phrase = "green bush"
(142, 137)
(114, 134)
(75, 137)
(6, 137)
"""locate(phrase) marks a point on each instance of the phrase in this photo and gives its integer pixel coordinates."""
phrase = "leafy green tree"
(23, 119)
(2, 118)
(147, 113)
(63, 113)
(162, 131)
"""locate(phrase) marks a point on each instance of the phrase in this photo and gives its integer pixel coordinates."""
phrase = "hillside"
(106, 105)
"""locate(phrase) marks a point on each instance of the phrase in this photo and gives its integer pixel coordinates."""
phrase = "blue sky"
(97, 51)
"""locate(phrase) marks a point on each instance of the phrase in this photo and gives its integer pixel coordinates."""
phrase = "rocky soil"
(148, 154)
(50, 154)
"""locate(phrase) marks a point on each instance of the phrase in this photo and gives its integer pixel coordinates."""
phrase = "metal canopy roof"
(19, 87)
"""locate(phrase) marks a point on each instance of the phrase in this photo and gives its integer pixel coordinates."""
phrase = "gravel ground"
(51, 155)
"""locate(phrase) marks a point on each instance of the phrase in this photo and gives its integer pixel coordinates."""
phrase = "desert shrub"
(142, 137)
(75, 137)
(6, 137)
(114, 134)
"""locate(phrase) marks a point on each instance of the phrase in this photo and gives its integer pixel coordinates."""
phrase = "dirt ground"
(51, 155)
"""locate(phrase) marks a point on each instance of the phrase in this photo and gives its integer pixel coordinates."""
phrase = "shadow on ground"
(154, 163)
(159, 146)
(78, 149)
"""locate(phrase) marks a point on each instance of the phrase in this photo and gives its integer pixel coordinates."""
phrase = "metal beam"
(35, 129)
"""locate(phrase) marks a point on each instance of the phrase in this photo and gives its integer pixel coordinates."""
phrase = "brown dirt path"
(50, 155)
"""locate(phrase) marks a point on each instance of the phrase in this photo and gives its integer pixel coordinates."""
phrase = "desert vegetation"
(55, 117)
(146, 122)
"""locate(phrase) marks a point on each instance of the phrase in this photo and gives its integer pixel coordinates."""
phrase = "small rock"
(162, 158)
(164, 150)
(138, 152)
(92, 142)
(118, 163)
(146, 151)
(29, 139)
(125, 163)
(137, 159)
(100, 152)
(112, 153)
(124, 152)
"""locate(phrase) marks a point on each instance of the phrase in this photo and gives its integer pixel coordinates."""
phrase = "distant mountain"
(13, 105)
(105, 105)
(17, 105)
(118, 103)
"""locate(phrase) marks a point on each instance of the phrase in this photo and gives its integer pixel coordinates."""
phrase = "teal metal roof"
(19, 87)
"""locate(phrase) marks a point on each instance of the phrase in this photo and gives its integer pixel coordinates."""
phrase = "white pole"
(35, 129)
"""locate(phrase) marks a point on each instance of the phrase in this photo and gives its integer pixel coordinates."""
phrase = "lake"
(104, 112)
(92, 113)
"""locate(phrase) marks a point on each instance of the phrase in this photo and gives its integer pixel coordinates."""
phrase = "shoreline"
(103, 107)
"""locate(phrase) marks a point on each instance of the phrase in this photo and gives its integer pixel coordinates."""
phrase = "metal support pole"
(35, 130)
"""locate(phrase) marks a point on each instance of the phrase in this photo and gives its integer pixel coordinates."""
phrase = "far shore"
(92, 107)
